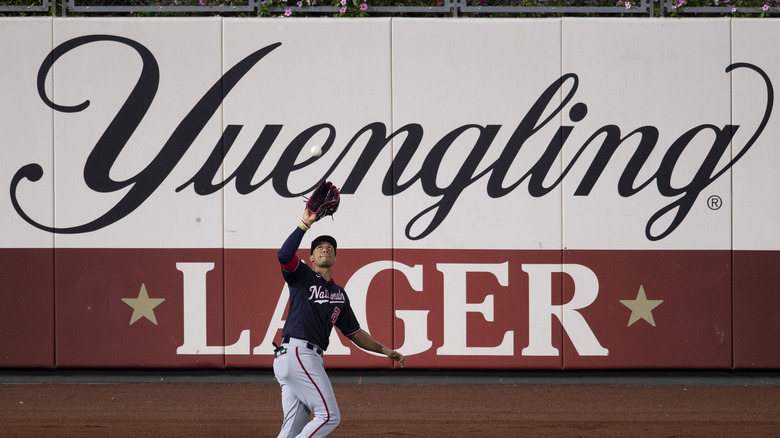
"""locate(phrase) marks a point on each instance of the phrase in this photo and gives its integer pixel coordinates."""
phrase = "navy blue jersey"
(316, 305)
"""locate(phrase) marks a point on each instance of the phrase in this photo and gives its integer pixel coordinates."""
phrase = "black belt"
(278, 351)
(310, 345)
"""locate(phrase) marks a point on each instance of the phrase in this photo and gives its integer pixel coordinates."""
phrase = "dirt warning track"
(392, 410)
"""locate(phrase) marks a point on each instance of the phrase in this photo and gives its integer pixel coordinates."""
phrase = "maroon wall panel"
(254, 288)
(27, 308)
(109, 312)
(470, 309)
(756, 309)
(682, 321)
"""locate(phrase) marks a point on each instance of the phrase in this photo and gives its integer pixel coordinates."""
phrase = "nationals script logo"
(97, 168)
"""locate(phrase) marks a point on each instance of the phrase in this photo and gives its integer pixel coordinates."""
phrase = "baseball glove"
(325, 199)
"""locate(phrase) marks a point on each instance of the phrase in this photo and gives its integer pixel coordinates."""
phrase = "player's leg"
(316, 391)
(296, 414)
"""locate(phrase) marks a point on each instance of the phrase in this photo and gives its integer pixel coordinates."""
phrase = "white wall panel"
(188, 58)
(666, 76)
(756, 179)
(334, 73)
(453, 73)
(26, 127)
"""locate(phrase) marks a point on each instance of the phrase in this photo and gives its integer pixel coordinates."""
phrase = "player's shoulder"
(299, 272)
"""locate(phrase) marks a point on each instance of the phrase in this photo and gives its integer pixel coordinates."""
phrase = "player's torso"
(315, 305)
(325, 298)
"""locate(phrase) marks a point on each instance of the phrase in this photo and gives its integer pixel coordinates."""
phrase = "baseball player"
(316, 305)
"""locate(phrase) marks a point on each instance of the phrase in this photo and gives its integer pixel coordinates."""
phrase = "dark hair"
(324, 238)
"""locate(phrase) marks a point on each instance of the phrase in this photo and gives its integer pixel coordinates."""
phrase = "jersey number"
(335, 315)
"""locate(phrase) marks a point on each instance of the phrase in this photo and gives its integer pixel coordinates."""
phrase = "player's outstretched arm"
(367, 342)
(287, 252)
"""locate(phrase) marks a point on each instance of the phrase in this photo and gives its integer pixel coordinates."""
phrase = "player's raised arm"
(286, 254)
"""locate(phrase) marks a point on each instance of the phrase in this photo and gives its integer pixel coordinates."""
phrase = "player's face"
(324, 255)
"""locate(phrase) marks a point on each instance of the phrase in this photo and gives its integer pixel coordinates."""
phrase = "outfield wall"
(576, 193)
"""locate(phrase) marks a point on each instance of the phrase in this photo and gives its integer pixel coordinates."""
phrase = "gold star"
(143, 306)
(641, 307)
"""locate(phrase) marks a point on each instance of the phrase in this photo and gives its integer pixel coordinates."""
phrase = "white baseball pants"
(306, 389)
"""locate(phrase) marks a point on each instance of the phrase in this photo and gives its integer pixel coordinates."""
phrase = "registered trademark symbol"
(714, 202)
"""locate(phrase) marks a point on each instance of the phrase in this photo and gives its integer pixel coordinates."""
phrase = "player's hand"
(309, 217)
(392, 354)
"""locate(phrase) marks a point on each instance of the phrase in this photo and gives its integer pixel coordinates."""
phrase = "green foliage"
(288, 8)
(735, 8)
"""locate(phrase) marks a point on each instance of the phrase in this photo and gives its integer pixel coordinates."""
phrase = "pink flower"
(628, 5)
(765, 8)
(733, 9)
(363, 7)
(343, 2)
(287, 12)
(342, 10)
(300, 4)
(202, 2)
